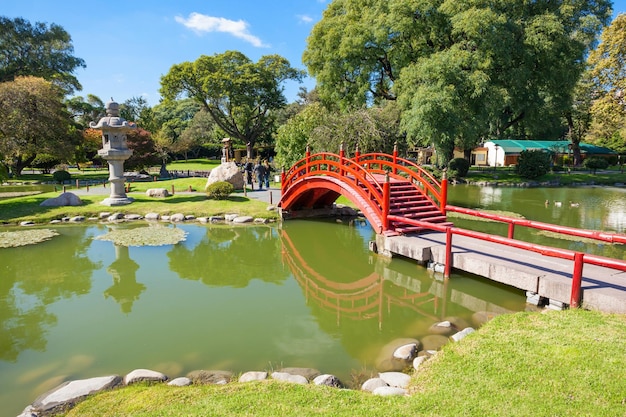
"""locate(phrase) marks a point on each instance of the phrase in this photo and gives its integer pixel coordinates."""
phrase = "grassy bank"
(15, 210)
(557, 363)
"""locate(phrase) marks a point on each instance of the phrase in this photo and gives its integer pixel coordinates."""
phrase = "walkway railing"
(579, 258)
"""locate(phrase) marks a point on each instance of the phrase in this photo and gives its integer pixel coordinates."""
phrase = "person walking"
(247, 167)
(266, 174)
(259, 172)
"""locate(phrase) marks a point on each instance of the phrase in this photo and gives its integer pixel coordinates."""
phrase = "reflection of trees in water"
(231, 257)
(33, 277)
(125, 289)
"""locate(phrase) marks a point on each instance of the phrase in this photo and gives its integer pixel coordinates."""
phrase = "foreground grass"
(15, 210)
(557, 363)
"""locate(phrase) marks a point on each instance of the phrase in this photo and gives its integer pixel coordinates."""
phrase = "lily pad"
(145, 236)
(25, 237)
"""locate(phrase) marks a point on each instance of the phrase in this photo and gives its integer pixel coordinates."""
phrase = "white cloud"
(304, 18)
(202, 23)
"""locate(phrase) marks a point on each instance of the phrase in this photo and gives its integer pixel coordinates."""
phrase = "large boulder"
(229, 172)
(64, 199)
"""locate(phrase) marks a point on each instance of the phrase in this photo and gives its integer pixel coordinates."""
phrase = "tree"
(34, 120)
(461, 71)
(240, 95)
(85, 111)
(608, 79)
(200, 130)
(144, 150)
(37, 50)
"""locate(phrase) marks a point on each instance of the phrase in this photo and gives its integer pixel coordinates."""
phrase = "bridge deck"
(603, 289)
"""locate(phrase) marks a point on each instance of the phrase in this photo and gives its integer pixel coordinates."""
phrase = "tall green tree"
(240, 95)
(38, 50)
(461, 71)
(34, 120)
(607, 75)
(86, 110)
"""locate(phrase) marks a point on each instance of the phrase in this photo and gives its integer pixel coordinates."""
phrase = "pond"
(300, 293)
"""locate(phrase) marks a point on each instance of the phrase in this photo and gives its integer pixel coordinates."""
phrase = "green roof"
(511, 146)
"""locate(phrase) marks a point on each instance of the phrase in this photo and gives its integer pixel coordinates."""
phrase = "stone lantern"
(115, 151)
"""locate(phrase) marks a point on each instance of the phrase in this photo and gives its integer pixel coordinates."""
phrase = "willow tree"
(240, 95)
(461, 71)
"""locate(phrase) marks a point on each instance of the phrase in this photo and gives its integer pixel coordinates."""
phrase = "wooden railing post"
(357, 154)
(511, 231)
(342, 154)
(577, 276)
(386, 200)
(308, 159)
(448, 262)
(282, 181)
(395, 157)
(444, 192)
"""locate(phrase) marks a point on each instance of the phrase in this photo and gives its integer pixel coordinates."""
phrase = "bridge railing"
(330, 164)
(578, 258)
(403, 169)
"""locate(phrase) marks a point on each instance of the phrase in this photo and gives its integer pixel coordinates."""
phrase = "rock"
(165, 218)
(177, 217)
(443, 328)
(77, 219)
(230, 217)
(395, 379)
(271, 208)
(69, 393)
(242, 219)
(157, 192)
(371, 384)
(462, 334)
(27, 223)
(308, 373)
(190, 217)
(253, 376)
(417, 362)
(328, 380)
(389, 391)
(286, 377)
(406, 352)
(261, 220)
(104, 215)
(180, 382)
(216, 219)
(152, 216)
(133, 217)
(115, 216)
(210, 377)
(481, 317)
(56, 221)
(64, 199)
(140, 375)
(434, 341)
(202, 220)
(229, 172)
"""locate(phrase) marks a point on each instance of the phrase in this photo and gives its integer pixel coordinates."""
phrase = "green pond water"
(296, 294)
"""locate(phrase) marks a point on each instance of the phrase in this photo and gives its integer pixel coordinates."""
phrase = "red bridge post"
(448, 262)
(444, 192)
(282, 181)
(308, 159)
(357, 154)
(342, 155)
(386, 198)
(395, 157)
(577, 276)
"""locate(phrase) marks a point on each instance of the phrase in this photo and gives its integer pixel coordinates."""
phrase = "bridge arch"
(379, 185)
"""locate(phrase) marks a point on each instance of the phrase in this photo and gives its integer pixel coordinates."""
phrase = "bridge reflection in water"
(391, 286)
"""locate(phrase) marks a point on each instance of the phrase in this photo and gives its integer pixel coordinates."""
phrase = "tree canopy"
(240, 95)
(38, 50)
(461, 71)
(607, 76)
(33, 120)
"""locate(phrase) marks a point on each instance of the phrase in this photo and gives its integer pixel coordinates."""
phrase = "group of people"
(261, 170)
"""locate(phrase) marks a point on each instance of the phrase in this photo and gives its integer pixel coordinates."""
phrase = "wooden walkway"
(603, 289)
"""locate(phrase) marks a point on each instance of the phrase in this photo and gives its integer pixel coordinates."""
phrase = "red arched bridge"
(380, 185)
(399, 197)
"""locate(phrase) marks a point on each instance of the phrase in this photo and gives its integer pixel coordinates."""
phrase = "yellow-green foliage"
(219, 190)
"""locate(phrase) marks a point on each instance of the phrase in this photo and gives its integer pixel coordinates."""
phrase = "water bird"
(574, 204)
(557, 204)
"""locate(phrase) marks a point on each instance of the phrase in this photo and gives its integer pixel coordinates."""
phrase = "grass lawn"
(524, 364)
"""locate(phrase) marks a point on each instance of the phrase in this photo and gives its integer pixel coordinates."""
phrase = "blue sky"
(128, 45)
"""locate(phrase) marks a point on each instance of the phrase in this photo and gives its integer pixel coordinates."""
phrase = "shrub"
(458, 167)
(595, 162)
(533, 164)
(61, 176)
(219, 190)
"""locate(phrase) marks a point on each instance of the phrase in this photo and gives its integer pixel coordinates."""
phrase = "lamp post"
(569, 155)
(495, 159)
(115, 151)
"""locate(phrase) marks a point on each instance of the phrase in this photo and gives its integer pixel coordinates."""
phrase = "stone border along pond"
(401, 354)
